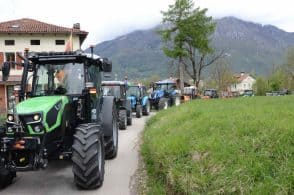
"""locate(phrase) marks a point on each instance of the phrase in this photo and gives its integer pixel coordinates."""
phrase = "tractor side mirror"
(106, 65)
(5, 71)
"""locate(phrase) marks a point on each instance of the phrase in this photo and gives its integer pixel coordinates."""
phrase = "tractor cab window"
(133, 91)
(111, 90)
(165, 87)
(64, 79)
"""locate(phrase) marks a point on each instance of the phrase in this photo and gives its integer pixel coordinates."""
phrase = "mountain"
(251, 47)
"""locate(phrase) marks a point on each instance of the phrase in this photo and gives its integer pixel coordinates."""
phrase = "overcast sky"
(107, 19)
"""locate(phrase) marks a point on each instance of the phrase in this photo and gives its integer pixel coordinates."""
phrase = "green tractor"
(62, 115)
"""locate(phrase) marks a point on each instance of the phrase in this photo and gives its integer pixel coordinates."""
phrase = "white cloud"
(106, 19)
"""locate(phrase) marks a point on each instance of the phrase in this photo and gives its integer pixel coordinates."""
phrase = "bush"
(242, 145)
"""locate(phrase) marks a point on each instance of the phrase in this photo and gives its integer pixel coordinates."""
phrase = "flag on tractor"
(69, 43)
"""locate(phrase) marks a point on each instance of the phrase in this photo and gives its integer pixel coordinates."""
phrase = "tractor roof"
(166, 81)
(112, 83)
(62, 57)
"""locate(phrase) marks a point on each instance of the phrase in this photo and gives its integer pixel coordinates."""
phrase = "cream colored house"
(243, 82)
(16, 35)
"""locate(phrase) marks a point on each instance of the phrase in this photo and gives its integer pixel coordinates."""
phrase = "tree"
(187, 38)
(173, 35)
(222, 75)
(288, 68)
(261, 86)
(197, 62)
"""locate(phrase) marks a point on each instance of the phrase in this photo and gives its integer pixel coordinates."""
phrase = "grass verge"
(242, 146)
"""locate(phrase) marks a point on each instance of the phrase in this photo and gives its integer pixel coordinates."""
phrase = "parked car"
(210, 93)
(248, 93)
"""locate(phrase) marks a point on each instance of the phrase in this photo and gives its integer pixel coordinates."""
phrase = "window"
(35, 42)
(9, 42)
(59, 42)
(10, 57)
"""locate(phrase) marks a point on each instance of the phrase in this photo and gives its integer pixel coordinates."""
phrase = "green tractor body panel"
(43, 105)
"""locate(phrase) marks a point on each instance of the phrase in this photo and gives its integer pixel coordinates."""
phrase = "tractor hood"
(157, 94)
(39, 104)
(133, 100)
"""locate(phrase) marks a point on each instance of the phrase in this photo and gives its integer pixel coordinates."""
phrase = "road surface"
(58, 177)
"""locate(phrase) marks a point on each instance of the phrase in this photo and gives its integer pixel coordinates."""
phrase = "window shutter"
(18, 61)
(1, 58)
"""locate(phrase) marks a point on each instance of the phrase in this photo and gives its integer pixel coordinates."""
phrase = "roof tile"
(27, 25)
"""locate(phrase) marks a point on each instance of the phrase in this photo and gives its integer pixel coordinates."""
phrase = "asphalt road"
(58, 177)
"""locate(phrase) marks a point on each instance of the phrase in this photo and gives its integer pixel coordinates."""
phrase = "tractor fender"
(107, 108)
(145, 99)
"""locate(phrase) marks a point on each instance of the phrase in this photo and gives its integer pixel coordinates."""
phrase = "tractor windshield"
(133, 91)
(63, 79)
(111, 90)
(166, 87)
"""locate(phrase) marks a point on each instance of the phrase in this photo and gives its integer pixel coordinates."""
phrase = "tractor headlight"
(36, 117)
(37, 129)
(10, 130)
(10, 118)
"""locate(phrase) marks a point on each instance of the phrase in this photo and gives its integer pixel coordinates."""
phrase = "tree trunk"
(181, 70)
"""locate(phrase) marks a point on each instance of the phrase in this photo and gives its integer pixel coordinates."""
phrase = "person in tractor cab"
(61, 85)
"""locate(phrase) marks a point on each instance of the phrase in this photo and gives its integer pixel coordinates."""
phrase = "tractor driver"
(61, 85)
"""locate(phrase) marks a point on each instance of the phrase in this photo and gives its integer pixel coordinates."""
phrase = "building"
(243, 82)
(16, 35)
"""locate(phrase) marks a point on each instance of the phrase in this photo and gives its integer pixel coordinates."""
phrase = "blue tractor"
(137, 94)
(164, 95)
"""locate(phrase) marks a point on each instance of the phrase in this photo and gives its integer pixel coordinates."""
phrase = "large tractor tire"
(122, 119)
(146, 108)
(110, 127)
(138, 111)
(163, 104)
(6, 177)
(129, 117)
(88, 156)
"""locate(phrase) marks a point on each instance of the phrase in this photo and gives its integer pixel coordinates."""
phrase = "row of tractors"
(63, 110)
(133, 98)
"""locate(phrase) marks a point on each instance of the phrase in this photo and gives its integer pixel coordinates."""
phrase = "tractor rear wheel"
(163, 104)
(146, 109)
(88, 156)
(138, 111)
(6, 177)
(111, 142)
(129, 118)
(122, 119)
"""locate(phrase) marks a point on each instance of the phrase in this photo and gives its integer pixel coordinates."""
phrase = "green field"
(222, 146)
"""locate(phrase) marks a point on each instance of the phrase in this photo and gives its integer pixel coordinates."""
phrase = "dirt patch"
(138, 184)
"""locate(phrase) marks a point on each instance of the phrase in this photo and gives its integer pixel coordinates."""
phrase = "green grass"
(229, 146)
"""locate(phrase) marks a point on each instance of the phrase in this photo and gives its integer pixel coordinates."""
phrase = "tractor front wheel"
(163, 104)
(122, 119)
(138, 111)
(88, 156)
(146, 109)
(129, 117)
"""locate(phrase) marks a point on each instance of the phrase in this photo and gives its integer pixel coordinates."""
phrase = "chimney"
(76, 26)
